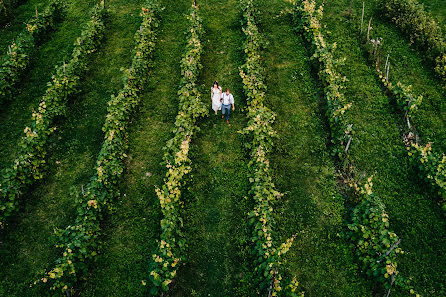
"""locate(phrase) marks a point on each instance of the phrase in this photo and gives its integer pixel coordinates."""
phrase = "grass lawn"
(377, 150)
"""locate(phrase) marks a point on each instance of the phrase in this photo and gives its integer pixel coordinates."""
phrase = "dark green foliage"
(6, 9)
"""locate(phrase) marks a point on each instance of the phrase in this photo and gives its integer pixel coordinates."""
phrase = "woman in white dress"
(216, 93)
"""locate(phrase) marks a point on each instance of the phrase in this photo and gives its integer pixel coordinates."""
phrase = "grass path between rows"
(28, 249)
(377, 150)
(303, 168)
(131, 230)
(215, 208)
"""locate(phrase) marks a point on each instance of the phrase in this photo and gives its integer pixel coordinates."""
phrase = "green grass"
(377, 149)
(303, 167)
(215, 207)
(131, 230)
(409, 67)
(27, 248)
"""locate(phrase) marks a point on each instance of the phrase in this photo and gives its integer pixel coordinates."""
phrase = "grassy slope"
(27, 249)
(215, 211)
(303, 167)
(131, 231)
(407, 66)
(378, 149)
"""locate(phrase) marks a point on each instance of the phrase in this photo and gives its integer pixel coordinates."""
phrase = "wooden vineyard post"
(270, 289)
(37, 13)
(348, 144)
(369, 28)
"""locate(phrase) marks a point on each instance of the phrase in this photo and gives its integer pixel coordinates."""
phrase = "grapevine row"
(78, 242)
(29, 165)
(17, 59)
(421, 28)
(431, 164)
(266, 254)
(170, 251)
(375, 245)
(308, 20)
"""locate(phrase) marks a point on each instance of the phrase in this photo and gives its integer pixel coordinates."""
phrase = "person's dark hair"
(227, 89)
(215, 83)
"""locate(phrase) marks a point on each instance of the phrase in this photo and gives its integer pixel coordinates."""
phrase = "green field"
(216, 194)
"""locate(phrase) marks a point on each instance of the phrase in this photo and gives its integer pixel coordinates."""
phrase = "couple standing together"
(222, 101)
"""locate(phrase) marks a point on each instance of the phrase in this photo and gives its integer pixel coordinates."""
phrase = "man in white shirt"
(227, 100)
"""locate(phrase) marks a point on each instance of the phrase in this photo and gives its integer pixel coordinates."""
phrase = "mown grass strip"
(30, 165)
(368, 230)
(79, 242)
(170, 252)
(18, 56)
(267, 255)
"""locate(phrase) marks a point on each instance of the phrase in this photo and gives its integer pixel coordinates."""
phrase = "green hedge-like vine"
(266, 254)
(170, 252)
(29, 165)
(17, 58)
(79, 241)
(307, 19)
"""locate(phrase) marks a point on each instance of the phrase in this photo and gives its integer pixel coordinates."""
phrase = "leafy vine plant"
(267, 255)
(374, 244)
(170, 251)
